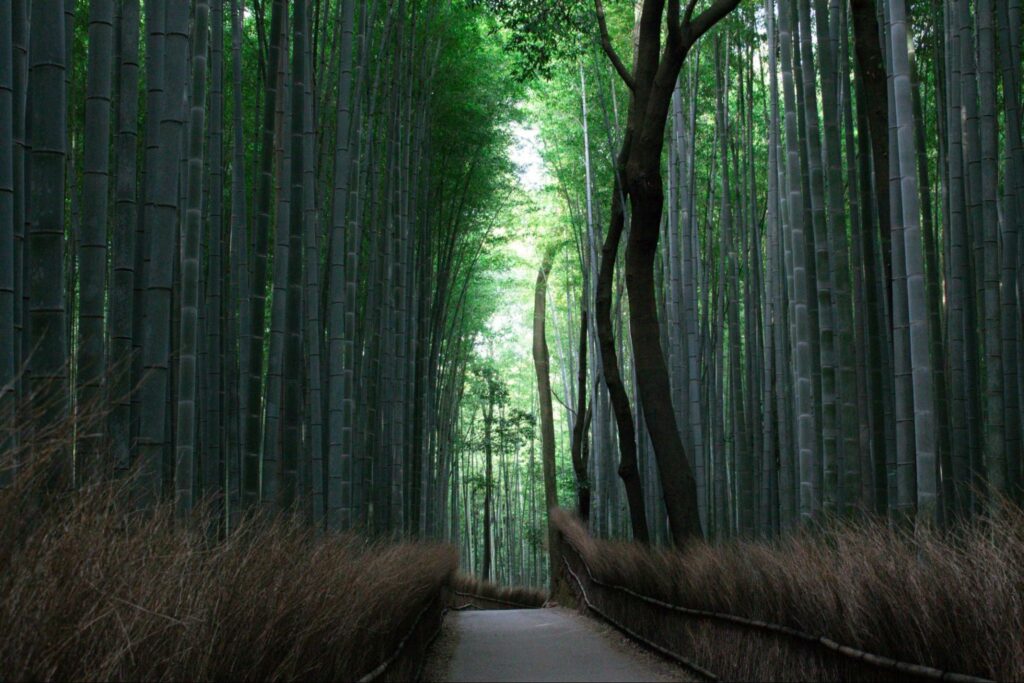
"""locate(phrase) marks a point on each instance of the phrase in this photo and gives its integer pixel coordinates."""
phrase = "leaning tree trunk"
(628, 470)
(652, 83)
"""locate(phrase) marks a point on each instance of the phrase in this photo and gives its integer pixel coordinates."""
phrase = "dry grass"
(89, 592)
(469, 590)
(953, 602)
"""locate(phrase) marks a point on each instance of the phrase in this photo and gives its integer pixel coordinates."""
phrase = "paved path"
(538, 645)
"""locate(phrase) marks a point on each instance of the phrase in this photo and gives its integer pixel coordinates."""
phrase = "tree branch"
(672, 21)
(606, 45)
(690, 6)
(693, 30)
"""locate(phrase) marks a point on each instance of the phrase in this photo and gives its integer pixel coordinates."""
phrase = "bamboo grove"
(837, 266)
(257, 253)
(239, 247)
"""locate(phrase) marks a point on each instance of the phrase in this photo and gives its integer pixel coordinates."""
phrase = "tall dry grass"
(469, 591)
(951, 601)
(92, 591)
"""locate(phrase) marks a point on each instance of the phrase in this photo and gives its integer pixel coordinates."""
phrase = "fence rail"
(696, 668)
(880, 662)
(497, 601)
(384, 666)
(387, 663)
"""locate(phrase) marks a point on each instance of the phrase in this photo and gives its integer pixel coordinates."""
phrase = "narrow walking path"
(539, 645)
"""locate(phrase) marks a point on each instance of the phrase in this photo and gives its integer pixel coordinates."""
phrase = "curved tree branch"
(606, 45)
(693, 30)
(672, 21)
(690, 7)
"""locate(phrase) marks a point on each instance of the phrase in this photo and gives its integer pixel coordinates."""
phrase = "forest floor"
(539, 645)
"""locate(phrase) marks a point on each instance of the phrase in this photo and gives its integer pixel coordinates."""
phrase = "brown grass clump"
(470, 591)
(89, 591)
(954, 602)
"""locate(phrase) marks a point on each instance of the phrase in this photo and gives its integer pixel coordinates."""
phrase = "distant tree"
(542, 364)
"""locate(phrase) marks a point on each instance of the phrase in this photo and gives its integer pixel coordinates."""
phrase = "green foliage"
(540, 33)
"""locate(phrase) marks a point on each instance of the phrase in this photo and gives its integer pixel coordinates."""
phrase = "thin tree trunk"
(996, 469)
(46, 111)
(628, 470)
(272, 466)
(251, 471)
(488, 478)
(926, 464)
(846, 413)
(291, 442)
(870, 65)
(314, 478)
(8, 290)
(340, 356)
(185, 460)
(958, 272)
(212, 457)
(19, 80)
(1013, 222)
(162, 227)
(542, 365)
(123, 246)
(933, 284)
(580, 428)
(241, 309)
(806, 441)
(973, 244)
(92, 248)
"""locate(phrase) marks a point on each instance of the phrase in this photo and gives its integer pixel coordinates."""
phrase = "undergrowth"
(953, 601)
(469, 590)
(91, 590)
